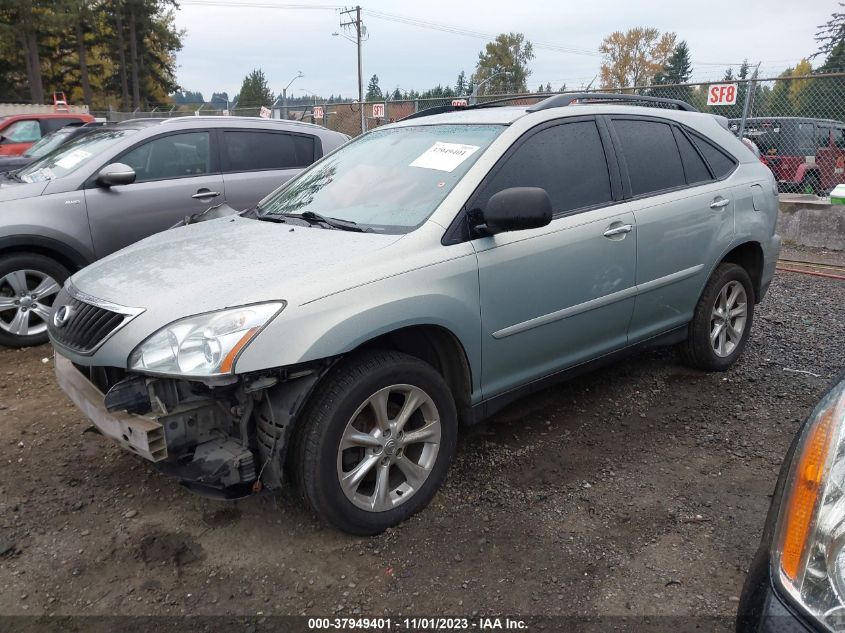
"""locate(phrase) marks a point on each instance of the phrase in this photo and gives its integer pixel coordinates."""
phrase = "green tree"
(509, 53)
(22, 21)
(676, 70)
(255, 92)
(96, 51)
(779, 99)
(374, 92)
(461, 84)
(830, 34)
(824, 97)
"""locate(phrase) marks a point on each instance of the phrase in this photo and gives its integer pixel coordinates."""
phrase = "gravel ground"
(639, 489)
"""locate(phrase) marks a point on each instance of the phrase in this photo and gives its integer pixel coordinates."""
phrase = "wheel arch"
(67, 256)
(750, 256)
(440, 348)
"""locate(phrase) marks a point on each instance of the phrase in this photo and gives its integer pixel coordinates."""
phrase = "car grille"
(87, 326)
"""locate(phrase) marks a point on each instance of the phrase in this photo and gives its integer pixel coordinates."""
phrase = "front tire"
(29, 284)
(376, 442)
(722, 320)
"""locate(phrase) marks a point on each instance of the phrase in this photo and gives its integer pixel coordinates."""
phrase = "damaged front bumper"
(222, 440)
(138, 434)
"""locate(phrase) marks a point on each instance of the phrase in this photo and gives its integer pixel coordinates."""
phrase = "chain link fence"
(795, 124)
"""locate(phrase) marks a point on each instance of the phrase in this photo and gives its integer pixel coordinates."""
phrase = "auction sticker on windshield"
(73, 159)
(444, 156)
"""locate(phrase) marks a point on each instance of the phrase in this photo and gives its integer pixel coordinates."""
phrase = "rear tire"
(29, 283)
(722, 320)
(360, 463)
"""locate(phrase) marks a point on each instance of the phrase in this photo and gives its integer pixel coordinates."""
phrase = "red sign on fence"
(378, 110)
(318, 112)
(721, 94)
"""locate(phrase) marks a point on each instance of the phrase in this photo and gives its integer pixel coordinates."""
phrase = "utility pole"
(285, 95)
(749, 98)
(359, 31)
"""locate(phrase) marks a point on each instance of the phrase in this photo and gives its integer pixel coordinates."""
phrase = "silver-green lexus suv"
(414, 280)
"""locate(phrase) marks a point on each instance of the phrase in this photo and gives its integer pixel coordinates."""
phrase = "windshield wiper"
(335, 223)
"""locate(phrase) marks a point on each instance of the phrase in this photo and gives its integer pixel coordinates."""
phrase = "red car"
(806, 155)
(19, 131)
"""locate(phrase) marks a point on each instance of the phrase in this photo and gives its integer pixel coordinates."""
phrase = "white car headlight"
(203, 345)
(809, 549)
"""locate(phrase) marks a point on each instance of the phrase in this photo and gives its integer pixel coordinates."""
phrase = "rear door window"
(651, 155)
(258, 150)
(566, 160)
(823, 136)
(804, 140)
(720, 163)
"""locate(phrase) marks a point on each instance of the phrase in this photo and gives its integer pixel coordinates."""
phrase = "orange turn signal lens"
(229, 362)
(804, 496)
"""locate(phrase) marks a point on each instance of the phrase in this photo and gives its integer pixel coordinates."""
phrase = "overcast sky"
(223, 43)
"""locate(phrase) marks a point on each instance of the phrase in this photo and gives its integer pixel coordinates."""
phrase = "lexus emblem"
(62, 316)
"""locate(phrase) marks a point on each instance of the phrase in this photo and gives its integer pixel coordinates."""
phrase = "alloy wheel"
(728, 318)
(389, 448)
(26, 298)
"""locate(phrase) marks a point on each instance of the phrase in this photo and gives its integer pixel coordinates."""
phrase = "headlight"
(204, 345)
(809, 551)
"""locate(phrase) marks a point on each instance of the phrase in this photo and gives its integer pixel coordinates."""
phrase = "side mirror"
(115, 174)
(515, 209)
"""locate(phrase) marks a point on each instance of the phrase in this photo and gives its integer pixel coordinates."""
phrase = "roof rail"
(452, 108)
(598, 97)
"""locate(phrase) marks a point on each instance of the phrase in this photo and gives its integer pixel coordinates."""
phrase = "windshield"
(388, 180)
(47, 143)
(72, 156)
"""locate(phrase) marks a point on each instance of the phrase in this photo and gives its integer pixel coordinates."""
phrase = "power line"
(425, 24)
(459, 30)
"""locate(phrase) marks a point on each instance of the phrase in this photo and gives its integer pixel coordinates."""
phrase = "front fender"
(444, 294)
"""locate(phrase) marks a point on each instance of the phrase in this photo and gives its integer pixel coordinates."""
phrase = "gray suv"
(419, 278)
(114, 186)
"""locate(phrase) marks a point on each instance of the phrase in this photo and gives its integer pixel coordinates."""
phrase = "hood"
(14, 190)
(229, 262)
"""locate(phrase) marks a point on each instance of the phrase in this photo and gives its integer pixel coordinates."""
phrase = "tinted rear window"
(253, 150)
(651, 155)
(694, 166)
(720, 163)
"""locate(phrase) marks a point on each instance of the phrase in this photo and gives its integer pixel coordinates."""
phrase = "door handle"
(719, 203)
(618, 230)
(199, 195)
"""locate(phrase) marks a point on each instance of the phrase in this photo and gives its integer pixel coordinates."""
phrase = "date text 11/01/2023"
(418, 624)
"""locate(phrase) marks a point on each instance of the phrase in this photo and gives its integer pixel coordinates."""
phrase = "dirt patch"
(168, 548)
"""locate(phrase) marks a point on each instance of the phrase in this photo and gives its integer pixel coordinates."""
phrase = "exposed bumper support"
(135, 433)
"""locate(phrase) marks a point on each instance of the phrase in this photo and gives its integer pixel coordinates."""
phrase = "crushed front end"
(224, 436)
(225, 440)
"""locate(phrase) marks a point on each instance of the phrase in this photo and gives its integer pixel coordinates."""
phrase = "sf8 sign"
(721, 94)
